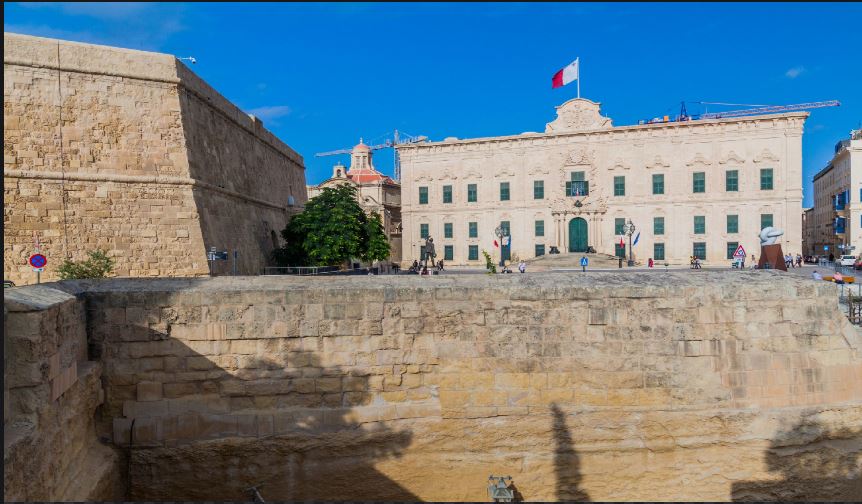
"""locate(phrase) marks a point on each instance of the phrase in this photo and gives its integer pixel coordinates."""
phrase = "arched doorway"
(578, 235)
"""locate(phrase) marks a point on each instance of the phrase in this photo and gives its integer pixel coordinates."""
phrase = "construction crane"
(398, 138)
(766, 109)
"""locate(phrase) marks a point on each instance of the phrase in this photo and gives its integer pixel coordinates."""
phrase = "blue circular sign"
(38, 261)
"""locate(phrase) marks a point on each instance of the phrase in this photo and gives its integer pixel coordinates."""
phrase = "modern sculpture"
(771, 255)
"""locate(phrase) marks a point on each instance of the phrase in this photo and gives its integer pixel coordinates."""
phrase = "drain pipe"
(129, 469)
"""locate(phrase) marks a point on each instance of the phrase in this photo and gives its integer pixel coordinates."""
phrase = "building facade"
(375, 192)
(837, 215)
(808, 231)
(132, 153)
(690, 188)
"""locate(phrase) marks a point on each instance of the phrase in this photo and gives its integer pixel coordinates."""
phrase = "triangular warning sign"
(740, 252)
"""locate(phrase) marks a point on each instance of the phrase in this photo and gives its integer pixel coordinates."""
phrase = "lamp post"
(500, 231)
(630, 230)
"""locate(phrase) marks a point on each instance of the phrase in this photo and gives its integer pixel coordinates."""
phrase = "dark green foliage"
(331, 230)
(489, 264)
(99, 265)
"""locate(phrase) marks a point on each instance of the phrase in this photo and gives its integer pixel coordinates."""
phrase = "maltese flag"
(566, 75)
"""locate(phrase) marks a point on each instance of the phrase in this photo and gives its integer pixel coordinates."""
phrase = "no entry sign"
(38, 261)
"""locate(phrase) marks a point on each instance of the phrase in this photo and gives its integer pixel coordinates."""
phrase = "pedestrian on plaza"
(838, 278)
(798, 260)
(831, 257)
(816, 275)
(440, 265)
(650, 262)
(522, 266)
(425, 270)
(696, 262)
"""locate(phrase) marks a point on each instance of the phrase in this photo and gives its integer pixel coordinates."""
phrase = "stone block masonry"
(603, 386)
(131, 152)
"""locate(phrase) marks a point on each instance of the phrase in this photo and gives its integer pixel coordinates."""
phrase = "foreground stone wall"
(130, 152)
(713, 386)
(51, 448)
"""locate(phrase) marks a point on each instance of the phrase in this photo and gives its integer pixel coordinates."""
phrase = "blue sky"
(322, 75)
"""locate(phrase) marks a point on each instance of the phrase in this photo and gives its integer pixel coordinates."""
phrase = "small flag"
(622, 243)
(637, 237)
(566, 75)
(495, 244)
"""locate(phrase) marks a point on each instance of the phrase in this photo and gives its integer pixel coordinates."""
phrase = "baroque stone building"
(131, 152)
(836, 225)
(375, 192)
(698, 187)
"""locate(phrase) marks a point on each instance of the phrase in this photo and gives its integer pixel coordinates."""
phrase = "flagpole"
(578, 59)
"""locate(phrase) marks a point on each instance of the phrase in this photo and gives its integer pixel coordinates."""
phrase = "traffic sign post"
(740, 252)
(38, 262)
(584, 262)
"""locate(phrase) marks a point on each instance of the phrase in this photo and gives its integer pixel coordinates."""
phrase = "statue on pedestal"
(771, 255)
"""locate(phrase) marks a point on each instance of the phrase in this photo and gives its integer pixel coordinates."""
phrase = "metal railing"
(299, 270)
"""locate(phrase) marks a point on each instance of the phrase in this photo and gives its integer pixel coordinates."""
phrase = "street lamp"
(500, 231)
(630, 230)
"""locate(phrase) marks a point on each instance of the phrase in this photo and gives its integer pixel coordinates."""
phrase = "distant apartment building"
(837, 215)
(808, 231)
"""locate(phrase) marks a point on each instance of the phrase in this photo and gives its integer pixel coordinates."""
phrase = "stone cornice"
(135, 179)
(638, 131)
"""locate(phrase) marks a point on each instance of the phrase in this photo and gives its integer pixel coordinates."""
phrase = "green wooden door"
(578, 235)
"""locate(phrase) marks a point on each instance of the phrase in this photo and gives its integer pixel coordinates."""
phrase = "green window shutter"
(620, 186)
(619, 226)
(505, 225)
(658, 251)
(732, 223)
(766, 179)
(423, 230)
(447, 194)
(474, 229)
(699, 224)
(731, 180)
(447, 230)
(448, 252)
(423, 195)
(540, 250)
(698, 182)
(619, 250)
(540, 228)
(471, 193)
(658, 183)
(658, 225)
(698, 249)
(473, 253)
(538, 189)
(504, 191)
(731, 248)
(765, 220)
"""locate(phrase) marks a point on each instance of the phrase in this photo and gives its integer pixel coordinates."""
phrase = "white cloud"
(269, 113)
(794, 72)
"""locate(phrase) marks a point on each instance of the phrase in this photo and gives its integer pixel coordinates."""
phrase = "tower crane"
(398, 138)
(766, 109)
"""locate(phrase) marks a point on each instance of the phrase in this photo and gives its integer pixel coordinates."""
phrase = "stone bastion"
(644, 386)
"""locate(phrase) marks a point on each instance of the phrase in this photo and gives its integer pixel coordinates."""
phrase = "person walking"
(650, 262)
(798, 260)
(522, 266)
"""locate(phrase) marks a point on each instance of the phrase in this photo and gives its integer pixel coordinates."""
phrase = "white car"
(846, 260)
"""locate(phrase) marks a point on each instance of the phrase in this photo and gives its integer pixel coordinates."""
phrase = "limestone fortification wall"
(713, 386)
(131, 152)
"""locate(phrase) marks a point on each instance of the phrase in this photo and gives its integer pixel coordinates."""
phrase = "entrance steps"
(573, 260)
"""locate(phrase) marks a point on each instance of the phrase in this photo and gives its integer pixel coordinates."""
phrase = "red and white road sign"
(740, 252)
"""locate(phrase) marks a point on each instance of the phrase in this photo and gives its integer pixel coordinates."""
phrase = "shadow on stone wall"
(567, 464)
(815, 463)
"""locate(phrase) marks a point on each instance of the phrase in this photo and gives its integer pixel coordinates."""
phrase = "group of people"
(790, 262)
(694, 261)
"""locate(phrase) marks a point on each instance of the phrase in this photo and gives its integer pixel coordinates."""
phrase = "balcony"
(577, 188)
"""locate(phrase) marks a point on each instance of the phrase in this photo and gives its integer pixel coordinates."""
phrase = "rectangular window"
(658, 251)
(447, 230)
(473, 253)
(473, 228)
(658, 183)
(699, 224)
(447, 194)
(540, 250)
(448, 252)
(423, 195)
(732, 223)
(471, 193)
(731, 180)
(540, 228)
(620, 186)
(619, 250)
(766, 179)
(423, 230)
(577, 186)
(698, 182)
(731, 248)
(698, 249)
(505, 225)
(504, 191)
(619, 226)
(578, 176)
(538, 189)
(765, 220)
(658, 225)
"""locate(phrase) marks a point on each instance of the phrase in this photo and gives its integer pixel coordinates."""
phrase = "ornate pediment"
(732, 157)
(581, 156)
(447, 175)
(424, 178)
(578, 114)
(505, 172)
(657, 163)
(473, 175)
(620, 164)
(699, 159)
(538, 170)
(575, 206)
(765, 155)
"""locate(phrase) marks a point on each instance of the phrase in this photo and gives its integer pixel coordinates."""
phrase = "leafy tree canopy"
(331, 230)
(99, 265)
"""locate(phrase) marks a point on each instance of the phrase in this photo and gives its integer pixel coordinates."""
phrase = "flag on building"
(566, 75)
(637, 237)
(496, 245)
(622, 243)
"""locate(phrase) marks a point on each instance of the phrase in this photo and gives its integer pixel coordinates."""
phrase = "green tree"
(99, 265)
(331, 230)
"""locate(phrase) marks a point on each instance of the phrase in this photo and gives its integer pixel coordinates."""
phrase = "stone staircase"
(573, 260)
